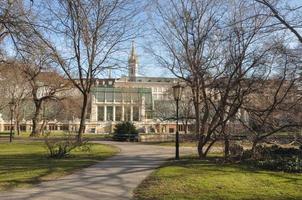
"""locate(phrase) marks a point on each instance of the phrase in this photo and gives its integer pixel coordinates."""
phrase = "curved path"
(111, 179)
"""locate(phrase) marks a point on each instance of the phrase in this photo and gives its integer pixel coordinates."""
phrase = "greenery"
(24, 164)
(5, 133)
(62, 147)
(205, 180)
(276, 158)
(59, 134)
(125, 131)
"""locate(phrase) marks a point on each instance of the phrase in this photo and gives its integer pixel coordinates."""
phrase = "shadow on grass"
(191, 178)
(25, 169)
(213, 164)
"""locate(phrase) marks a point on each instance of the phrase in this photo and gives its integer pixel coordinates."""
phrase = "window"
(127, 114)
(135, 113)
(118, 97)
(100, 113)
(52, 127)
(118, 113)
(109, 113)
(135, 97)
(149, 114)
(109, 96)
(127, 97)
(100, 96)
(148, 101)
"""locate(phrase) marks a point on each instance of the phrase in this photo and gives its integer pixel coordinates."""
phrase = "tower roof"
(133, 56)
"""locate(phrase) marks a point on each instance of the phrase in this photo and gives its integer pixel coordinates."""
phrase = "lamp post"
(177, 89)
(11, 104)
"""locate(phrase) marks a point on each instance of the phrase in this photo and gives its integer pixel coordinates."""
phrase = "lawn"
(89, 136)
(25, 164)
(192, 144)
(205, 180)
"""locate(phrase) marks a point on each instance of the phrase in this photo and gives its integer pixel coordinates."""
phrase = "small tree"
(125, 131)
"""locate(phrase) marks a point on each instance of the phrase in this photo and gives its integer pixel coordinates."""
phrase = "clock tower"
(133, 63)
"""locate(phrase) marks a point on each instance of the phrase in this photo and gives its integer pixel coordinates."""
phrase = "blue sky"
(149, 67)
(147, 64)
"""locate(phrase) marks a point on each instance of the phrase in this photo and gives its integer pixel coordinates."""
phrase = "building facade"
(130, 98)
(113, 100)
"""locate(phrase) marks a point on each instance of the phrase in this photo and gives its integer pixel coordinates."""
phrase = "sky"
(148, 66)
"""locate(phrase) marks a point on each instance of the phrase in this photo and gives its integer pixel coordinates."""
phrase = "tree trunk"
(83, 117)
(208, 148)
(197, 129)
(226, 147)
(254, 145)
(35, 129)
(17, 126)
(200, 147)
(17, 118)
(42, 128)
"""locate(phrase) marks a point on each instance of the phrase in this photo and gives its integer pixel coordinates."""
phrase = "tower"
(133, 63)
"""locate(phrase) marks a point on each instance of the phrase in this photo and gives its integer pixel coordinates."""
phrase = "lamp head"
(177, 90)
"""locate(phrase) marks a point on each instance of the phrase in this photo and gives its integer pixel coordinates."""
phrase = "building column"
(1, 125)
(131, 113)
(143, 110)
(94, 110)
(113, 112)
(123, 113)
(105, 113)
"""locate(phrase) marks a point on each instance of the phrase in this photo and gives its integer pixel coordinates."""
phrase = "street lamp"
(11, 104)
(177, 89)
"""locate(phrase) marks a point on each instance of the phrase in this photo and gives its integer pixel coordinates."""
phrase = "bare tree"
(13, 20)
(45, 84)
(277, 14)
(221, 50)
(187, 33)
(14, 90)
(84, 37)
(276, 104)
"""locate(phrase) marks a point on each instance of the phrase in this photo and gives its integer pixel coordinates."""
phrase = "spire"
(133, 62)
(133, 56)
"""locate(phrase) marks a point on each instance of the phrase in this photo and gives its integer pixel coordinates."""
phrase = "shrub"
(236, 151)
(276, 158)
(61, 147)
(286, 164)
(125, 131)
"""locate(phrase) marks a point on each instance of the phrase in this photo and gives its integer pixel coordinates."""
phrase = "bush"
(286, 164)
(125, 131)
(236, 151)
(276, 158)
(61, 148)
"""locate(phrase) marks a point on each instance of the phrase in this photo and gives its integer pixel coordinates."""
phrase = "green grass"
(188, 144)
(205, 180)
(58, 134)
(25, 164)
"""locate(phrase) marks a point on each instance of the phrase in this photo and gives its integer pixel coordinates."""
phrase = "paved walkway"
(111, 179)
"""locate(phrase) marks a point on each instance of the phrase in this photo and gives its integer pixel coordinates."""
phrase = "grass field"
(25, 164)
(4, 136)
(205, 180)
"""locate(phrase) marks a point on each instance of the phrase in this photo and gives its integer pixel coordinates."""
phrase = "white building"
(129, 99)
